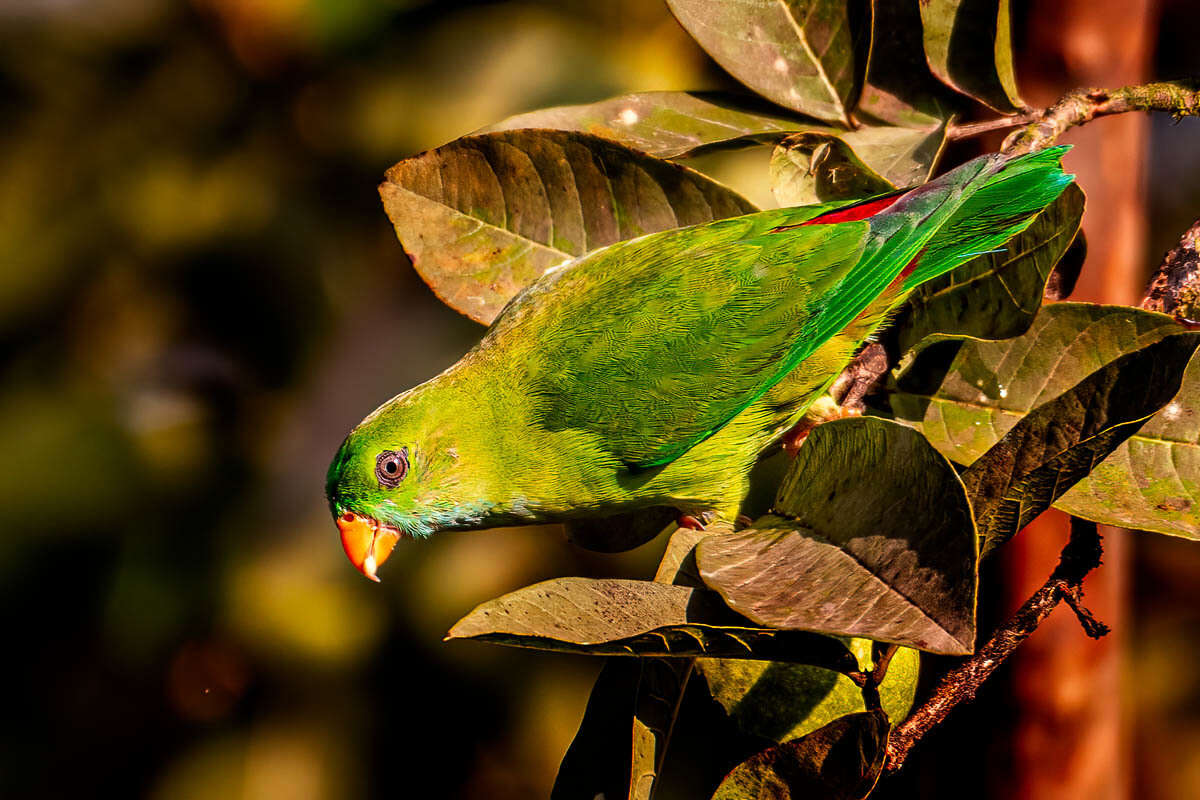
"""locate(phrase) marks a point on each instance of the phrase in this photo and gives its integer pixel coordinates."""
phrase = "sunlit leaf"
(965, 406)
(784, 701)
(969, 47)
(1034, 414)
(807, 55)
(636, 700)
(871, 535)
(484, 216)
(636, 618)
(670, 124)
(1152, 481)
(996, 295)
(1060, 442)
(841, 761)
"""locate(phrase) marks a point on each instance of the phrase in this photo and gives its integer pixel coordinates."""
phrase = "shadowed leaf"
(899, 88)
(807, 55)
(594, 765)
(841, 761)
(660, 690)
(815, 167)
(997, 295)
(670, 124)
(1035, 414)
(634, 702)
(484, 216)
(871, 535)
(1062, 280)
(636, 618)
(969, 47)
(620, 532)
(784, 701)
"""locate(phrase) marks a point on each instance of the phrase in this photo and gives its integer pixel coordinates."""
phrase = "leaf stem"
(1081, 555)
(1180, 98)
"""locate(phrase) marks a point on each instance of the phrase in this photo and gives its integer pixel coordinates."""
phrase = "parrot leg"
(794, 438)
(847, 394)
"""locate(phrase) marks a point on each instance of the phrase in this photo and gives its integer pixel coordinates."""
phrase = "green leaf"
(969, 47)
(484, 216)
(1152, 481)
(899, 89)
(997, 295)
(841, 761)
(1034, 414)
(871, 536)
(811, 168)
(806, 55)
(622, 617)
(782, 701)
(670, 124)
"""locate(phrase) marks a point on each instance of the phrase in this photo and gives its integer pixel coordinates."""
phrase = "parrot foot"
(694, 523)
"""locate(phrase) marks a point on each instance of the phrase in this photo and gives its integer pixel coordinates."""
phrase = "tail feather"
(935, 228)
(1003, 206)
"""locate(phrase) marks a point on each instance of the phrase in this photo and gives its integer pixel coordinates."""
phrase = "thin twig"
(1181, 98)
(1079, 557)
(966, 130)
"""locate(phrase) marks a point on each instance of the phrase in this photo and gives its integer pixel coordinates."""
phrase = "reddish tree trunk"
(1071, 740)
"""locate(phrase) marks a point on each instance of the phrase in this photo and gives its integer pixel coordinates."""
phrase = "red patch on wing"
(853, 213)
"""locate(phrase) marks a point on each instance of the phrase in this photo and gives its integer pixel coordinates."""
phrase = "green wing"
(656, 343)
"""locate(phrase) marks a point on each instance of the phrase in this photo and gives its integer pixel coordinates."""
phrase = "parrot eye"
(391, 466)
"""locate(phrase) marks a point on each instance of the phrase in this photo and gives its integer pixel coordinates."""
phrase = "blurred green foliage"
(199, 295)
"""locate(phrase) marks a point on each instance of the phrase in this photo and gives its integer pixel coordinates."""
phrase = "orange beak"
(367, 542)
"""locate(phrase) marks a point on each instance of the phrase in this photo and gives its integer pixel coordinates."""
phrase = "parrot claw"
(695, 523)
(794, 438)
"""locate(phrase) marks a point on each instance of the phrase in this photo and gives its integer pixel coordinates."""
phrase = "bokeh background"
(200, 294)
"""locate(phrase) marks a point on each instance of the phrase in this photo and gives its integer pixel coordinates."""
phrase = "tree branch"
(1181, 98)
(1080, 556)
(1175, 287)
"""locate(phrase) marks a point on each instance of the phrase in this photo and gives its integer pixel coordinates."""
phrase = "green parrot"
(655, 371)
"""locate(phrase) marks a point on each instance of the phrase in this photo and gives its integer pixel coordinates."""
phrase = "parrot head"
(394, 477)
